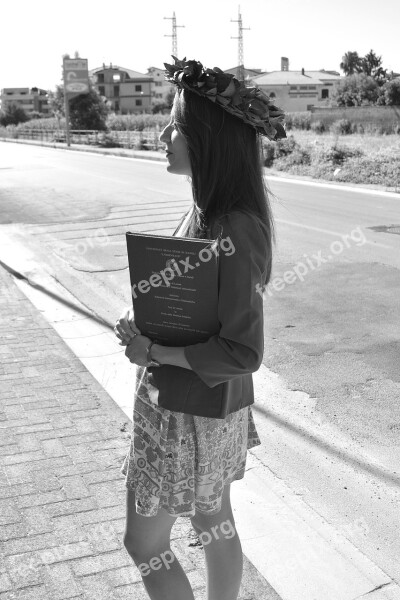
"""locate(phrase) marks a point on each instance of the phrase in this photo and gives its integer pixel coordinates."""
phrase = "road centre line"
(320, 230)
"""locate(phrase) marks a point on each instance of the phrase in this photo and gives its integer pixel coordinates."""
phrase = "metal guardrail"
(139, 140)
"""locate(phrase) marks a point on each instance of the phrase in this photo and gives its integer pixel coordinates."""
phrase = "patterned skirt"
(182, 462)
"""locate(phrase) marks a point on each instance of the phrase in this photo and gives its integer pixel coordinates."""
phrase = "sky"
(313, 34)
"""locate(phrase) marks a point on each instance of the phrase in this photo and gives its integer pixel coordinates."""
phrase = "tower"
(174, 34)
(240, 74)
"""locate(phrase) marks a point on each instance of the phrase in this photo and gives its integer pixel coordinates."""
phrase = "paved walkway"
(62, 496)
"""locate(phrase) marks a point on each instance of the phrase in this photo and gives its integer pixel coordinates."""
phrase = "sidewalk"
(62, 496)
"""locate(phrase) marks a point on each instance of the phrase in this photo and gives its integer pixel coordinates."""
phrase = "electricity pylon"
(174, 34)
(240, 74)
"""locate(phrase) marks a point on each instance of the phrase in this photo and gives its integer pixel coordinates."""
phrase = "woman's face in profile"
(176, 151)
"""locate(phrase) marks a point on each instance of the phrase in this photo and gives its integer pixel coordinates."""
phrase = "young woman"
(190, 440)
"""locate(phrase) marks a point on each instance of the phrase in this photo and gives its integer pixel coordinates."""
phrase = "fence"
(385, 116)
(139, 140)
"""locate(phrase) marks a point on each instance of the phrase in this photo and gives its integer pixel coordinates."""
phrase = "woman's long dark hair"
(225, 158)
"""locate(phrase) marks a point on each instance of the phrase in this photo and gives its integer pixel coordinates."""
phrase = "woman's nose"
(164, 137)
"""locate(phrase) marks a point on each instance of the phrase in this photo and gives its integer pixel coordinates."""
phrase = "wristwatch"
(150, 360)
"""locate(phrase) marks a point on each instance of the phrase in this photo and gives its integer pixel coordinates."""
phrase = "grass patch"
(350, 159)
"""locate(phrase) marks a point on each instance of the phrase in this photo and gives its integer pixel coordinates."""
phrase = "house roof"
(291, 78)
(132, 74)
(322, 74)
(248, 73)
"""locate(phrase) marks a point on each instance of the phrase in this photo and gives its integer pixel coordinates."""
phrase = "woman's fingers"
(127, 321)
(125, 328)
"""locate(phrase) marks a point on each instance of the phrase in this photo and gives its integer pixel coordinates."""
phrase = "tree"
(159, 107)
(89, 111)
(13, 115)
(357, 90)
(390, 93)
(86, 111)
(351, 63)
(56, 101)
(371, 65)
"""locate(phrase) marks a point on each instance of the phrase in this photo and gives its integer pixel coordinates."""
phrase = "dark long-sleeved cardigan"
(221, 381)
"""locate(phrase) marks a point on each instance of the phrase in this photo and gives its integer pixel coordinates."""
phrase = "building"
(127, 91)
(30, 99)
(248, 73)
(161, 87)
(296, 91)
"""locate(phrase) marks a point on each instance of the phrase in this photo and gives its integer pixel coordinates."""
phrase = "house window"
(116, 91)
(293, 87)
(102, 90)
(325, 94)
(158, 83)
(116, 106)
(138, 102)
(116, 77)
(100, 78)
(138, 88)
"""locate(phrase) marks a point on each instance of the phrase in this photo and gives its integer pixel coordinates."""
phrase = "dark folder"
(174, 285)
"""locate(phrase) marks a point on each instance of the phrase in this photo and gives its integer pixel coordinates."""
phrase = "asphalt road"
(332, 327)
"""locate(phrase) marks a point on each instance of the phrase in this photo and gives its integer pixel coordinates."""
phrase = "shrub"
(108, 141)
(298, 120)
(336, 154)
(13, 115)
(299, 156)
(136, 122)
(285, 146)
(286, 152)
(268, 153)
(318, 127)
(341, 127)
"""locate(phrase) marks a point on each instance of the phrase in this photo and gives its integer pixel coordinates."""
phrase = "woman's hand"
(136, 350)
(125, 328)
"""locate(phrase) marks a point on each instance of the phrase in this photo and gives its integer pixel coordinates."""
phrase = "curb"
(149, 155)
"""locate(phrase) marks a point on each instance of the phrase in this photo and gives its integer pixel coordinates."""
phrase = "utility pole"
(240, 45)
(174, 34)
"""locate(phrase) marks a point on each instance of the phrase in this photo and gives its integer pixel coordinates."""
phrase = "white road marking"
(328, 231)
(333, 186)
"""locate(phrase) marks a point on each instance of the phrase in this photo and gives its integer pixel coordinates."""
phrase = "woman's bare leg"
(147, 540)
(223, 551)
